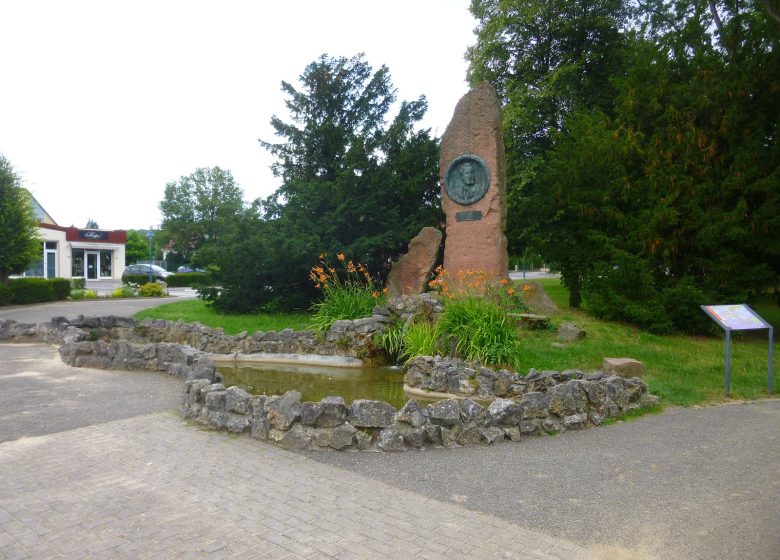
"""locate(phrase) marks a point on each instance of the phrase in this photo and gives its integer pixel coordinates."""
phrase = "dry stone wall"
(367, 425)
(541, 402)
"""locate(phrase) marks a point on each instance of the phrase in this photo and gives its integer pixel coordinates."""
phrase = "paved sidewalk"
(129, 484)
(156, 487)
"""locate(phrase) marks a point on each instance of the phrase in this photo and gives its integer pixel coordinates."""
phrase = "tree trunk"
(575, 292)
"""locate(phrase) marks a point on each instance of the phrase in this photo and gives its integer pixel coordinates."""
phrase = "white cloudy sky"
(104, 102)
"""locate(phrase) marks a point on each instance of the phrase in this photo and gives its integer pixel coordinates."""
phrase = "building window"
(105, 264)
(77, 269)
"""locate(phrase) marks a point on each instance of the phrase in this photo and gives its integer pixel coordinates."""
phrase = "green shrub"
(151, 289)
(61, 288)
(31, 290)
(188, 279)
(137, 279)
(5, 294)
(475, 328)
(78, 283)
(126, 291)
(351, 296)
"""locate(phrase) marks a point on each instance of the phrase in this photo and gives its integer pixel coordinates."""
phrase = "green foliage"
(475, 328)
(136, 248)
(645, 145)
(31, 290)
(60, 288)
(151, 289)
(197, 311)
(349, 295)
(19, 243)
(391, 340)
(354, 179)
(126, 291)
(135, 279)
(5, 294)
(83, 294)
(188, 279)
(198, 210)
(420, 339)
(78, 283)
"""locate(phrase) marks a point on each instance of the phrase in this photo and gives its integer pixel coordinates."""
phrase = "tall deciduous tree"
(19, 242)
(199, 208)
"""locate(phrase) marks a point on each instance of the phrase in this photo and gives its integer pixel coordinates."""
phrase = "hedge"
(137, 279)
(188, 279)
(22, 291)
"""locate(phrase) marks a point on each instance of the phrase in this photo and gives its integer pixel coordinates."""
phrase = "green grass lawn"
(682, 370)
(196, 311)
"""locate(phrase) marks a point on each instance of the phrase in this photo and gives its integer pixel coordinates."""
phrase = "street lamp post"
(150, 236)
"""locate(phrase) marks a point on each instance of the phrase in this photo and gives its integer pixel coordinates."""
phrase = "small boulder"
(569, 332)
(624, 367)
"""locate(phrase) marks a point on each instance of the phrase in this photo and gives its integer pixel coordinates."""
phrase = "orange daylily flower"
(341, 257)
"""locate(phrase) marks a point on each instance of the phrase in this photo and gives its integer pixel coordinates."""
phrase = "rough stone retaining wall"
(378, 426)
(547, 402)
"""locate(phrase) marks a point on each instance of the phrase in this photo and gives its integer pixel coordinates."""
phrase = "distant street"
(43, 312)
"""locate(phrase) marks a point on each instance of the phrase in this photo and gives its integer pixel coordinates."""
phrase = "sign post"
(739, 318)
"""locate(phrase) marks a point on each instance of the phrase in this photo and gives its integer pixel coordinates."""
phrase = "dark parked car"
(158, 272)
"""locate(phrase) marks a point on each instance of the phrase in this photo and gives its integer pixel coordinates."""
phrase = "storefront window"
(77, 270)
(36, 268)
(105, 264)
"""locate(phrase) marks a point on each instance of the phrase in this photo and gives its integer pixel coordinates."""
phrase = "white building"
(70, 252)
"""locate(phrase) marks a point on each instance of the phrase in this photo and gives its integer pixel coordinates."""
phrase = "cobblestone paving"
(154, 486)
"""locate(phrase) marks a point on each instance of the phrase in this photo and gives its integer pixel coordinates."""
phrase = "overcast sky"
(104, 102)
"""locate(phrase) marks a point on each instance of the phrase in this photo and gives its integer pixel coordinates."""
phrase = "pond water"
(317, 382)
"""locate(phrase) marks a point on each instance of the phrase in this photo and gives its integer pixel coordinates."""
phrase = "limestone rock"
(337, 437)
(328, 413)
(504, 412)
(444, 413)
(624, 367)
(537, 299)
(411, 273)
(569, 332)
(391, 440)
(237, 400)
(285, 410)
(371, 414)
(412, 413)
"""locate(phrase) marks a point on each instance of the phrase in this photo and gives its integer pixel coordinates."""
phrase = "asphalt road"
(43, 312)
(688, 483)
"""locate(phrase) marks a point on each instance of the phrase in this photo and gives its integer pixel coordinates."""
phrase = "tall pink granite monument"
(473, 179)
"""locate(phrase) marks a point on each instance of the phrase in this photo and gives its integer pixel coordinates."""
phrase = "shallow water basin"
(317, 382)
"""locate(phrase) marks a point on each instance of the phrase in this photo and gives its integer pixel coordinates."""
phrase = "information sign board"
(739, 318)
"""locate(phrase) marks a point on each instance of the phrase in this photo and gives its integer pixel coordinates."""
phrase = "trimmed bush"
(137, 279)
(152, 289)
(30, 290)
(5, 294)
(61, 288)
(188, 279)
(78, 283)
